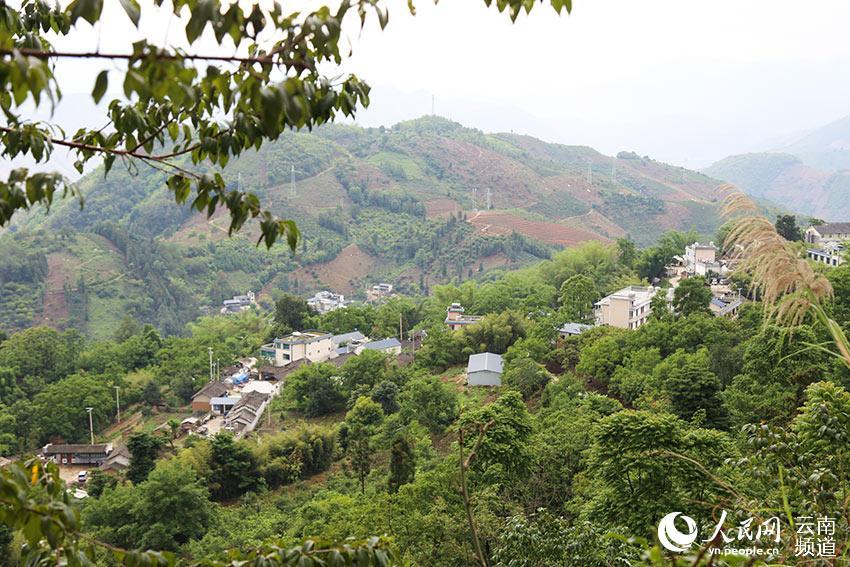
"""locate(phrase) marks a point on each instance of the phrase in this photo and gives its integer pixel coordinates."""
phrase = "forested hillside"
(408, 205)
(787, 179)
(585, 446)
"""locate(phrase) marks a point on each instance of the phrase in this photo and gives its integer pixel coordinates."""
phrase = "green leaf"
(100, 85)
(132, 9)
(89, 10)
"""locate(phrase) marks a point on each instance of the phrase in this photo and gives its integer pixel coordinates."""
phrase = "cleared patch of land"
(342, 274)
(494, 222)
(441, 207)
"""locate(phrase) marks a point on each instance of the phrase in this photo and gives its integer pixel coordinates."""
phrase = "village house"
(484, 369)
(828, 242)
(118, 460)
(386, 346)
(572, 329)
(628, 308)
(71, 454)
(379, 292)
(239, 303)
(315, 346)
(701, 260)
(829, 232)
(456, 318)
(246, 414)
(348, 342)
(201, 400)
(326, 301)
(725, 306)
(223, 404)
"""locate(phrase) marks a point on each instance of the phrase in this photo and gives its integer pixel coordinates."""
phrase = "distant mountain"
(424, 202)
(826, 148)
(809, 173)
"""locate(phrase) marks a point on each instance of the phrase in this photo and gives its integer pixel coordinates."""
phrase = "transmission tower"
(489, 199)
(474, 198)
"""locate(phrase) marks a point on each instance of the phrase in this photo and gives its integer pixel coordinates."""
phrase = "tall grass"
(788, 286)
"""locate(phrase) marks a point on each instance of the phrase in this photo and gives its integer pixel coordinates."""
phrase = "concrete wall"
(484, 378)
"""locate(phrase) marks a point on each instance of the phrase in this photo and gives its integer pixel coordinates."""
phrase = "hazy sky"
(680, 80)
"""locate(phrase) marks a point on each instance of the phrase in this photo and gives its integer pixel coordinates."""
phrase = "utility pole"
(117, 403)
(211, 363)
(91, 425)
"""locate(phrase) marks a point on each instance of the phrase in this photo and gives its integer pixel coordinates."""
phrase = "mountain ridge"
(424, 202)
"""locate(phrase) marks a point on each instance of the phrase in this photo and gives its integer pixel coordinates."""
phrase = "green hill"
(424, 202)
(786, 179)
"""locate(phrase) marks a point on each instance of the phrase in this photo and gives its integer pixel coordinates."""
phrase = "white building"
(484, 369)
(829, 232)
(326, 301)
(315, 346)
(700, 259)
(239, 303)
(628, 308)
(829, 242)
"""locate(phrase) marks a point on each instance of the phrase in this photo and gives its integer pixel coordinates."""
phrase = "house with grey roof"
(246, 414)
(77, 454)
(484, 369)
(572, 329)
(386, 346)
(348, 342)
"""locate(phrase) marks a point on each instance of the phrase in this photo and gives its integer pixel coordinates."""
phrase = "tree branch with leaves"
(187, 114)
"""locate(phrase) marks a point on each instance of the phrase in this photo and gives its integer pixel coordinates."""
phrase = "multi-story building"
(700, 259)
(628, 308)
(456, 318)
(315, 346)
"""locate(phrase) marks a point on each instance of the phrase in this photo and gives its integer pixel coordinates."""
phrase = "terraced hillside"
(424, 202)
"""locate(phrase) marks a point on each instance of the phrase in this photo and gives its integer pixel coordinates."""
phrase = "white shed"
(484, 369)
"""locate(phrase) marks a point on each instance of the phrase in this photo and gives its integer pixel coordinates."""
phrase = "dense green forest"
(588, 443)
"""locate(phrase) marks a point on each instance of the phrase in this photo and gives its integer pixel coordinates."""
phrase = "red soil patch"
(55, 309)
(442, 207)
(342, 274)
(493, 222)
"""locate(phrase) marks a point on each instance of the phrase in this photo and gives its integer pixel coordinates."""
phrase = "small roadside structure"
(484, 369)
(222, 405)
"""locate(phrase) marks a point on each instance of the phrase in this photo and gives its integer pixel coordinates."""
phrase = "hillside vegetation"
(808, 175)
(408, 205)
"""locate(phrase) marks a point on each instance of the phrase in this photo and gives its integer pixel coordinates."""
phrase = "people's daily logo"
(670, 536)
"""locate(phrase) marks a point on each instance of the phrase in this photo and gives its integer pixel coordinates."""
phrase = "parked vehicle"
(82, 477)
